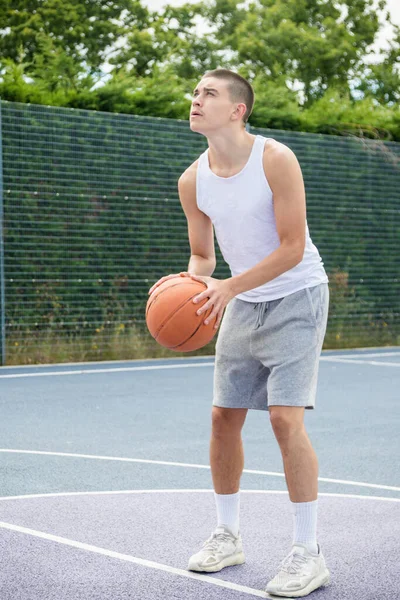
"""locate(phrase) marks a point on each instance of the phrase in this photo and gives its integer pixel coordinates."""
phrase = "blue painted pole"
(2, 281)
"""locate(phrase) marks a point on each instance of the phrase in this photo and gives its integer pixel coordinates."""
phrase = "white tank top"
(241, 210)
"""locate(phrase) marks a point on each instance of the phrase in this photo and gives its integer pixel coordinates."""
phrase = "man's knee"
(227, 421)
(286, 420)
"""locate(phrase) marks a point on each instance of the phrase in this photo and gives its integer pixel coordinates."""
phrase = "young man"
(250, 188)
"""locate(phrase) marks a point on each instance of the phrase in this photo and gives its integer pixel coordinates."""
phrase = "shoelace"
(293, 563)
(212, 543)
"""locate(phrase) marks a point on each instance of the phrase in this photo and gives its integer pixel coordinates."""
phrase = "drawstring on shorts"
(262, 308)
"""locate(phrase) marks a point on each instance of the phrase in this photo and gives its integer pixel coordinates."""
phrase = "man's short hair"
(239, 88)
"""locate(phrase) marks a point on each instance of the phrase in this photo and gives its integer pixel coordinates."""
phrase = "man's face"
(211, 101)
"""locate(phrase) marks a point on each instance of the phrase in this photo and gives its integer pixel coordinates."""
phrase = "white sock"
(228, 507)
(305, 524)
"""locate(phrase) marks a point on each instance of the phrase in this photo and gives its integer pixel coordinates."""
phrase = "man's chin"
(196, 126)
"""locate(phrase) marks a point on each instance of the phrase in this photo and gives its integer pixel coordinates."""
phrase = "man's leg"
(304, 569)
(227, 462)
(299, 459)
(224, 547)
(226, 448)
(301, 471)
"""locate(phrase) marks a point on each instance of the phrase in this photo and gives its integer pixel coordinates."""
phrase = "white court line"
(108, 362)
(344, 358)
(185, 491)
(335, 358)
(367, 354)
(147, 563)
(111, 370)
(190, 466)
(133, 559)
(360, 362)
(354, 351)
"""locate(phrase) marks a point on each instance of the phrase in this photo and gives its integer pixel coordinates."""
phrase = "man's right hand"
(160, 281)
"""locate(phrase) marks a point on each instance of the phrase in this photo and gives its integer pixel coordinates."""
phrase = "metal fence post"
(2, 282)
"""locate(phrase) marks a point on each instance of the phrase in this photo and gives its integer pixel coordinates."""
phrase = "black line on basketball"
(194, 333)
(173, 313)
(167, 288)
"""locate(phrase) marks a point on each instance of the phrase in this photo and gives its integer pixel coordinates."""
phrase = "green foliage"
(275, 105)
(382, 80)
(309, 41)
(337, 113)
(85, 30)
(53, 53)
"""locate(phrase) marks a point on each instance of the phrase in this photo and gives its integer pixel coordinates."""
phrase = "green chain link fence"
(92, 218)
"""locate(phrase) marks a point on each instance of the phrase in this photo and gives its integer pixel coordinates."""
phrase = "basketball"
(171, 315)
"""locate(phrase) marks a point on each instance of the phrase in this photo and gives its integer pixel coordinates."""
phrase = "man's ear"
(245, 108)
(238, 109)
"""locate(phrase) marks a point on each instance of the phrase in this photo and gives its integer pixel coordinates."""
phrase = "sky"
(386, 33)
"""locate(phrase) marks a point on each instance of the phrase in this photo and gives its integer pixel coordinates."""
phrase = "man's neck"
(226, 153)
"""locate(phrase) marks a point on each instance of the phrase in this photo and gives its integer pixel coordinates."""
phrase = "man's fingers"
(196, 278)
(159, 282)
(218, 320)
(216, 312)
(199, 298)
(211, 316)
(152, 288)
(166, 277)
(206, 306)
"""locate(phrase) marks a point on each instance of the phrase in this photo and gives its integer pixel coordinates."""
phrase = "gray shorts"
(267, 353)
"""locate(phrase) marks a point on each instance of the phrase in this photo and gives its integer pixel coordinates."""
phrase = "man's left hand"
(219, 293)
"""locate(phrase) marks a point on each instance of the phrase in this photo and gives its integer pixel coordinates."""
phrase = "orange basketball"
(171, 315)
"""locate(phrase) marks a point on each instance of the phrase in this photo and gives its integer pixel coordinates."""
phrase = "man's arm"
(201, 234)
(200, 230)
(284, 175)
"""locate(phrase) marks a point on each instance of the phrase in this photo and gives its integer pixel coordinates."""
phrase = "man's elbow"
(296, 251)
(202, 265)
(211, 259)
(300, 253)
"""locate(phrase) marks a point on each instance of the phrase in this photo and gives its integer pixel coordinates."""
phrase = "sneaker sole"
(229, 561)
(321, 580)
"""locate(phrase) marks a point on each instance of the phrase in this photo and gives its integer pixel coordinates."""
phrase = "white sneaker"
(301, 572)
(221, 550)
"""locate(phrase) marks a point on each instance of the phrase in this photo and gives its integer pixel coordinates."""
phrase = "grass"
(353, 323)
(50, 347)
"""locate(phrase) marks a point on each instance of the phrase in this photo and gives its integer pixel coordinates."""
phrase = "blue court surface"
(106, 488)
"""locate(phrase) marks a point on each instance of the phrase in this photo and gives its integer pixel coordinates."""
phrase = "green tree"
(171, 39)
(298, 54)
(338, 114)
(84, 30)
(382, 80)
(313, 42)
